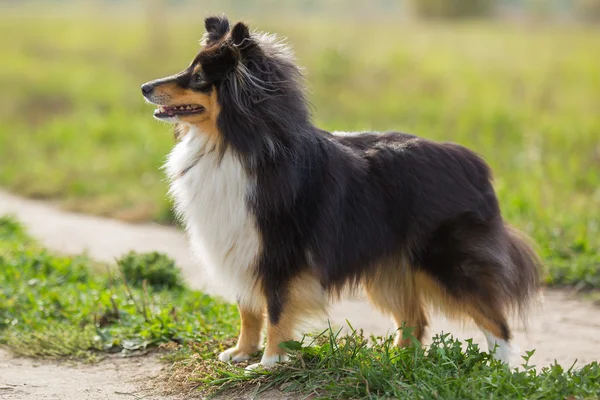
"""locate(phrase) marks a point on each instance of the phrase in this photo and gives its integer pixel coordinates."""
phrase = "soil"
(112, 378)
(562, 327)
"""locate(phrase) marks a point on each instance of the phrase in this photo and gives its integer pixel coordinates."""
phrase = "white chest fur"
(210, 197)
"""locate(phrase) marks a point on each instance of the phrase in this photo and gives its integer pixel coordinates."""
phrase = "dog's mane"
(264, 112)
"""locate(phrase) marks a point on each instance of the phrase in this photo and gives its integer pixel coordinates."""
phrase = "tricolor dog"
(289, 216)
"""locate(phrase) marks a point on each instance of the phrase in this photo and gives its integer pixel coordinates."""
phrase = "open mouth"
(173, 111)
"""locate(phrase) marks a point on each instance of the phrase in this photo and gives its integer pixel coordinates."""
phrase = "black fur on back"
(343, 205)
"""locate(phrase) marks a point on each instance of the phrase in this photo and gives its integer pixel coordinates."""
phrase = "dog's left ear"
(240, 37)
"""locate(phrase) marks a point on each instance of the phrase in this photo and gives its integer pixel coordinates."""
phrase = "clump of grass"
(331, 366)
(156, 269)
(53, 306)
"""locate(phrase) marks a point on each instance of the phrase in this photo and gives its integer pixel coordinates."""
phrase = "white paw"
(253, 367)
(503, 349)
(234, 355)
(504, 352)
(268, 362)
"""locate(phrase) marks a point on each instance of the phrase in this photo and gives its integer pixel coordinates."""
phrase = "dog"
(288, 216)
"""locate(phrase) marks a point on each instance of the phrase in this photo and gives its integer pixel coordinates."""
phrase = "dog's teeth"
(189, 107)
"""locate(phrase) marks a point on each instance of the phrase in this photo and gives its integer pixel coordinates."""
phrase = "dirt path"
(113, 378)
(563, 328)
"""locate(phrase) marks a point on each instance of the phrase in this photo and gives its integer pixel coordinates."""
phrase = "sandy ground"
(563, 328)
(113, 378)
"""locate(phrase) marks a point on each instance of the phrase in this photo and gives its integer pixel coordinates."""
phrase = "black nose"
(147, 89)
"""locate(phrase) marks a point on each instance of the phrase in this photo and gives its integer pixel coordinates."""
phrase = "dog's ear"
(236, 48)
(240, 34)
(242, 40)
(216, 28)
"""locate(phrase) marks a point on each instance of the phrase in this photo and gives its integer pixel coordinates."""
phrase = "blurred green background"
(517, 81)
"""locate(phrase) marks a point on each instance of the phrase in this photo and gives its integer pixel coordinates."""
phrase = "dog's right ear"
(216, 28)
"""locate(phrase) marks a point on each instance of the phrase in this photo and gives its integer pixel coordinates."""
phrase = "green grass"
(55, 306)
(74, 128)
(58, 306)
(354, 367)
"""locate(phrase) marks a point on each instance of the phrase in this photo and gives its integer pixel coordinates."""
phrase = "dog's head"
(191, 95)
(241, 84)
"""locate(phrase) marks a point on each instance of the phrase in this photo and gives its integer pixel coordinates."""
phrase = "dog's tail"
(527, 269)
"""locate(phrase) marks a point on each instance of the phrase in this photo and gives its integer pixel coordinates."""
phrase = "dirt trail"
(563, 328)
(113, 378)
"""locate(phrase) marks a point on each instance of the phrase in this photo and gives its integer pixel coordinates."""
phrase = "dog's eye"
(200, 83)
(198, 79)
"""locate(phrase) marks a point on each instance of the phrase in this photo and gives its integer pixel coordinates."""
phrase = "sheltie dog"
(288, 216)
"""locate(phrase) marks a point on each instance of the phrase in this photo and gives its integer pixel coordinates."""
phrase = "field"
(56, 306)
(75, 130)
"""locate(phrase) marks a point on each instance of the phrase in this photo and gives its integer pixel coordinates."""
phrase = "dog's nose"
(147, 89)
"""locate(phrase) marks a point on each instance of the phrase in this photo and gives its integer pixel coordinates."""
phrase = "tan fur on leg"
(394, 292)
(249, 339)
(492, 320)
(305, 297)
(414, 317)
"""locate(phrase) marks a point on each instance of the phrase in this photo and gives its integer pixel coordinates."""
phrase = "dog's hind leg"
(492, 321)
(395, 294)
(480, 306)
(414, 318)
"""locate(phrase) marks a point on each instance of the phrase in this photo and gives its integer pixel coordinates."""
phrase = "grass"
(74, 128)
(355, 367)
(55, 306)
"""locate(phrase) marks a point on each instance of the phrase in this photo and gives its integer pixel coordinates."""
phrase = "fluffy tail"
(527, 272)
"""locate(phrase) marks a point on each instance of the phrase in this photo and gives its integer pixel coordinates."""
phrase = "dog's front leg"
(282, 312)
(250, 335)
(288, 302)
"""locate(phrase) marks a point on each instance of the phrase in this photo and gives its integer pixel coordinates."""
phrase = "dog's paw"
(267, 362)
(234, 355)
